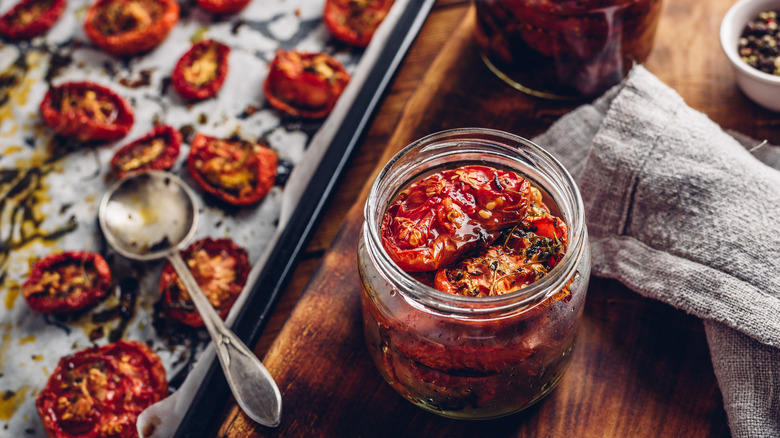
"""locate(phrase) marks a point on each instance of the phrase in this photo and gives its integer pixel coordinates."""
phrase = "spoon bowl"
(152, 215)
(149, 215)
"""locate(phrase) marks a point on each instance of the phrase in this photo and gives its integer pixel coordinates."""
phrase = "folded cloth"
(681, 211)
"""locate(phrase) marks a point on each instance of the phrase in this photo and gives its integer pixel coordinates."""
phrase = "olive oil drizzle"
(21, 192)
(22, 188)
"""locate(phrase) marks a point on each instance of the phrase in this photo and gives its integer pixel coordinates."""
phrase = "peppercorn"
(758, 45)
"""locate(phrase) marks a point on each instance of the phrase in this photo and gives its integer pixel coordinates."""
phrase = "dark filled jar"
(565, 48)
(475, 356)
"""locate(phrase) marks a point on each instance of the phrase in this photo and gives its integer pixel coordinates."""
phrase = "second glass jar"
(565, 48)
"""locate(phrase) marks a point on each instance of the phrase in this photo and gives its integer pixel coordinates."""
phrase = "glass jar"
(464, 356)
(565, 48)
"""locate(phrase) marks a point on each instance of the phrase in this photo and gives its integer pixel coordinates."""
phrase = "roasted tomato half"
(219, 266)
(100, 391)
(86, 111)
(30, 18)
(444, 216)
(355, 21)
(200, 73)
(305, 84)
(67, 281)
(520, 257)
(236, 171)
(223, 7)
(130, 27)
(157, 150)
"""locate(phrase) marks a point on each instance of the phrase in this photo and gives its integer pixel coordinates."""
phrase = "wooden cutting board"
(640, 368)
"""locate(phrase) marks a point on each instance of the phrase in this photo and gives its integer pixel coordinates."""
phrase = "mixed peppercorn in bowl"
(749, 37)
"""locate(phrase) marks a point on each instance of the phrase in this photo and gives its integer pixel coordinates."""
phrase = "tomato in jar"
(440, 218)
(565, 49)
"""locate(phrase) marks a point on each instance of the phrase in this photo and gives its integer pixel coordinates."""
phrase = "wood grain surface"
(640, 368)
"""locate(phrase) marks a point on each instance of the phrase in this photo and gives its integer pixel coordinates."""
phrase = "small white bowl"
(762, 88)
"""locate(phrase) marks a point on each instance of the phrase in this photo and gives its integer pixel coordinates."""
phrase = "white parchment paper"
(50, 189)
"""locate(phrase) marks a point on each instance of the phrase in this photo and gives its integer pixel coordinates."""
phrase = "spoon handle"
(251, 384)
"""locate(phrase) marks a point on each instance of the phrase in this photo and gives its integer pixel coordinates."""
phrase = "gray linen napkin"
(680, 211)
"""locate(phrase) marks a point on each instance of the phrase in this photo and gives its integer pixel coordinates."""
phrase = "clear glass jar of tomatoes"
(565, 48)
(478, 320)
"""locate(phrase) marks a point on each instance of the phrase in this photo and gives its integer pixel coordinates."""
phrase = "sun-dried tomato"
(236, 171)
(439, 219)
(67, 281)
(305, 84)
(157, 150)
(100, 391)
(223, 7)
(130, 27)
(86, 111)
(355, 21)
(219, 266)
(30, 18)
(201, 71)
(520, 257)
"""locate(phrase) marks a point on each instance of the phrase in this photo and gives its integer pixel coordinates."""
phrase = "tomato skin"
(305, 85)
(40, 25)
(355, 21)
(192, 91)
(37, 288)
(440, 218)
(133, 41)
(164, 161)
(177, 302)
(547, 225)
(121, 380)
(223, 7)
(77, 123)
(210, 158)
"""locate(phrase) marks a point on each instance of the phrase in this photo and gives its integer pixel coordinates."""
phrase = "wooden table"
(641, 368)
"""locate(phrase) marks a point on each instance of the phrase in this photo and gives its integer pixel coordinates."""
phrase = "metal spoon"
(152, 215)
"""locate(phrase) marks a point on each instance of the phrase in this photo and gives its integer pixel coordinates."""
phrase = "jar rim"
(520, 299)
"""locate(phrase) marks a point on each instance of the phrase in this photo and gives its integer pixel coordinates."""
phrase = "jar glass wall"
(565, 48)
(466, 356)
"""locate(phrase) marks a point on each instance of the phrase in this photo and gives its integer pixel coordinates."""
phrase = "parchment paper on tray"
(50, 187)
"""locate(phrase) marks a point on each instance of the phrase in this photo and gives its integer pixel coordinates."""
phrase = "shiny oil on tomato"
(99, 392)
(66, 282)
(355, 21)
(86, 111)
(200, 72)
(130, 27)
(305, 85)
(30, 18)
(237, 172)
(441, 218)
(518, 258)
(219, 266)
(483, 231)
